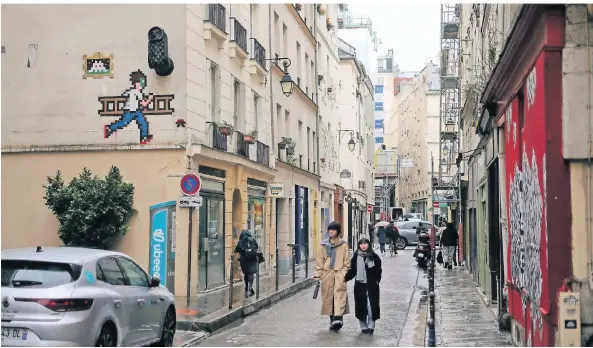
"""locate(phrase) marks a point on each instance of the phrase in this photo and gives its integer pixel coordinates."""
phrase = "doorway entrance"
(211, 272)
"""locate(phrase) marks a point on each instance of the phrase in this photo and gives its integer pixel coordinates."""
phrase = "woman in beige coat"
(333, 263)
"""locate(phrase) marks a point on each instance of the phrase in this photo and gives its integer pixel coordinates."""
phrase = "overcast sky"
(411, 29)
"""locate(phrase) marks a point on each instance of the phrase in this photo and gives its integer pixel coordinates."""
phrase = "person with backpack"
(449, 240)
(392, 234)
(247, 249)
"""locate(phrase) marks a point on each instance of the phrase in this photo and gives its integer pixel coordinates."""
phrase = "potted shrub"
(321, 10)
(329, 24)
(291, 159)
(298, 7)
(290, 149)
(285, 141)
(225, 128)
(250, 137)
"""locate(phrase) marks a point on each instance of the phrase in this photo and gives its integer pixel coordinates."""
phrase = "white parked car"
(66, 296)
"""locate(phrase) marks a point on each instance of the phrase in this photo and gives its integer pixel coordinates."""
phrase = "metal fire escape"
(446, 187)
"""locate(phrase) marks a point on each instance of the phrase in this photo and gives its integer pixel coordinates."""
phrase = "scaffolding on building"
(346, 21)
(446, 187)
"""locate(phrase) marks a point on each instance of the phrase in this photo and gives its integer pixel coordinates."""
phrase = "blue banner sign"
(158, 245)
(379, 89)
(379, 140)
(378, 106)
(379, 124)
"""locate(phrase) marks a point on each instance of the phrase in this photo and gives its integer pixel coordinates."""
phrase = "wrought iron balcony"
(263, 154)
(242, 147)
(239, 34)
(219, 140)
(259, 53)
(217, 16)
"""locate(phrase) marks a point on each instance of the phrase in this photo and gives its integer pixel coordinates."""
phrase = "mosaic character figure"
(136, 100)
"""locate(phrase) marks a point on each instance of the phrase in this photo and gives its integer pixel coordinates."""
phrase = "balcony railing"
(239, 34)
(219, 140)
(217, 16)
(242, 147)
(263, 154)
(259, 53)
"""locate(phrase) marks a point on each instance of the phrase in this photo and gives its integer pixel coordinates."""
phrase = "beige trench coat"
(333, 285)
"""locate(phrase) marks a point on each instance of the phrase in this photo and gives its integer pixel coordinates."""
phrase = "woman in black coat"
(365, 268)
(247, 249)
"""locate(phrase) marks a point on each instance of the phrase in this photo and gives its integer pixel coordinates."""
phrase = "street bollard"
(231, 284)
(431, 333)
(307, 261)
(277, 268)
(257, 282)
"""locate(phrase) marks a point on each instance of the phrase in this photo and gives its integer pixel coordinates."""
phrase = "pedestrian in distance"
(392, 234)
(382, 237)
(247, 249)
(371, 234)
(449, 238)
(366, 271)
(333, 262)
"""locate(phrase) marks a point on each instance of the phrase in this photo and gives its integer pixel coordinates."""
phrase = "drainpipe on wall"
(315, 81)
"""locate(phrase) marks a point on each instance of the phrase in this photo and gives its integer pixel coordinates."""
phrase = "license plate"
(14, 333)
(420, 255)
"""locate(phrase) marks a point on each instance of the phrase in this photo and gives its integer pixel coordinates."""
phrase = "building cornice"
(537, 28)
(85, 148)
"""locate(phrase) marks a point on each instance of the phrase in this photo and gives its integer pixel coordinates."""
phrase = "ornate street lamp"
(286, 83)
(349, 198)
(351, 142)
(351, 145)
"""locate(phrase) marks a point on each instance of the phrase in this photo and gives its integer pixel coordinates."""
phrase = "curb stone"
(210, 325)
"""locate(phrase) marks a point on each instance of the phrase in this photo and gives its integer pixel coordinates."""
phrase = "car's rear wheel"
(107, 337)
(168, 333)
(401, 243)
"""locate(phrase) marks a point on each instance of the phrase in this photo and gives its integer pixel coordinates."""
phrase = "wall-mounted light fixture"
(286, 82)
(348, 198)
(351, 142)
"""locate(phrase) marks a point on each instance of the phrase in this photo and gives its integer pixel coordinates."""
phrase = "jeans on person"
(382, 247)
(127, 118)
(448, 254)
(248, 279)
(369, 323)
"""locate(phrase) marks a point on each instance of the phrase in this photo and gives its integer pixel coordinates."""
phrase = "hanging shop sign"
(276, 189)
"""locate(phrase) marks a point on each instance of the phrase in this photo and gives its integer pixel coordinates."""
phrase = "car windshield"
(20, 274)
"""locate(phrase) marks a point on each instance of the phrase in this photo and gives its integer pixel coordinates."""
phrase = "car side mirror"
(155, 282)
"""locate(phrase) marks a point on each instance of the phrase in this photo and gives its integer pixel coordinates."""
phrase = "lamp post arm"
(286, 62)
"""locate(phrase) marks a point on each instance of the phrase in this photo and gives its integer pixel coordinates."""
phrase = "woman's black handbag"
(260, 257)
(316, 291)
(440, 257)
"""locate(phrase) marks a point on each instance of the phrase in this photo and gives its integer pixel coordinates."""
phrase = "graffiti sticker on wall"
(134, 105)
(97, 66)
(526, 211)
(531, 85)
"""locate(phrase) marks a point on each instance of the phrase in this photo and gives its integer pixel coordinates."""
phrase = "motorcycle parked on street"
(423, 249)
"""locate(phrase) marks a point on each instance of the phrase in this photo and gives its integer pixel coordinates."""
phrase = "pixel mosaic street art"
(134, 105)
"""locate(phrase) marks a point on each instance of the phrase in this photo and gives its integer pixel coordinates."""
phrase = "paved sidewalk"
(462, 318)
(210, 302)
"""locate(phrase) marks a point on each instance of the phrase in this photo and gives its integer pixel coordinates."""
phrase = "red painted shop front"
(528, 103)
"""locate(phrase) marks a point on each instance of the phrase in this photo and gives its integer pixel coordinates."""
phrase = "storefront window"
(256, 224)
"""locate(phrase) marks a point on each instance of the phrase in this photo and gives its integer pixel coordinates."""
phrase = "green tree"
(92, 212)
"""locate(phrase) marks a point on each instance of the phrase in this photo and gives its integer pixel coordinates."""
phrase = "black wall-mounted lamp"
(158, 52)
(351, 142)
(286, 82)
(349, 198)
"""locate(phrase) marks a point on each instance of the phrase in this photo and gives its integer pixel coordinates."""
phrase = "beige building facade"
(63, 98)
(414, 122)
